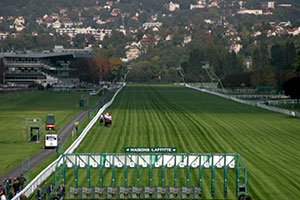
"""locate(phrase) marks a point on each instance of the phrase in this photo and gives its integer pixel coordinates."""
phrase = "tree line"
(100, 68)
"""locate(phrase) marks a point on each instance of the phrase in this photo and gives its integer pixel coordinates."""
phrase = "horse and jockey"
(106, 118)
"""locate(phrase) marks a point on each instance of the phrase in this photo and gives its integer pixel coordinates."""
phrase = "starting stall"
(165, 161)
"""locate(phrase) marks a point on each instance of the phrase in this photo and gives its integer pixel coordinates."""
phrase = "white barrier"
(252, 103)
(31, 187)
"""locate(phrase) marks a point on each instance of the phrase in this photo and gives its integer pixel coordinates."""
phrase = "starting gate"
(188, 161)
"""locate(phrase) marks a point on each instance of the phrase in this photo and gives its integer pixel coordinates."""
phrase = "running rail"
(31, 187)
(251, 103)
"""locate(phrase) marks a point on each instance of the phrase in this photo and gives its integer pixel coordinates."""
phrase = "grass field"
(196, 122)
(16, 107)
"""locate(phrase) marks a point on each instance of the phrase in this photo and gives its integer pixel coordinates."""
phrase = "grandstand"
(27, 67)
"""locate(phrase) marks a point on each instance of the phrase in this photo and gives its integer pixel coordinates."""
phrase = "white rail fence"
(252, 103)
(260, 96)
(31, 187)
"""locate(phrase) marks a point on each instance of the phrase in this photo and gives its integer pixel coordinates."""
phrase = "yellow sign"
(76, 123)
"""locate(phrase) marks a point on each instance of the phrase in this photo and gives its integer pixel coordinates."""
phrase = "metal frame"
(30, 123)
(176, 161)
(213, 77)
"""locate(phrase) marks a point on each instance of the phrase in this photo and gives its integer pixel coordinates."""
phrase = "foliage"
(297, 63)
(37, 86)
(292, 88)
(100, 68)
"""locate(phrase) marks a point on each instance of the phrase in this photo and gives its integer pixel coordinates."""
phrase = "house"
(172, 6)
(154, 17)
(186, 40)
(268, 5)
(48, 20)
(169, 37)
(63, 11)
(9, 18)
(285, 5)
(132, 51)
(107, 7)
(19, 27)
(294, 31)
(271, 33)
(98, 8)
(3, 35)
(230, 32)
(250, 12)
(116, 12)
(268, 12)
(135, 18)
(19, 20)
(151, 24)
(235, 47)
(111, 19)
(155, 28)
(213, 4)
(39, 21)
(19, 23)
(56, 24)
(100, 22)
(55, 16)
(200, 4)
(109, 3)
(248, 62)
(256, 33)
(208, 21)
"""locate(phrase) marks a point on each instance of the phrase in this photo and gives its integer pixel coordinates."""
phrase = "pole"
(225, 178)
(76, 176)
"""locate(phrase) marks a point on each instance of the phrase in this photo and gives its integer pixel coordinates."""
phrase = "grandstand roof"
(26, 54)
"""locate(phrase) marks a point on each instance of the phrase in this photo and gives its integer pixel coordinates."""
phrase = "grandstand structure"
(27, 67)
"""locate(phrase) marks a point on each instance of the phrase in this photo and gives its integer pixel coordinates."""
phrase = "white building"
(235, 47)
(250, 12)
(133, 51)
(172, 6)
(98, 34)
(56, 24)
(194, 6)
(285, 5)
(268, 5)
(187, 39)
(3, 35)
(19, 23)
(151, 25)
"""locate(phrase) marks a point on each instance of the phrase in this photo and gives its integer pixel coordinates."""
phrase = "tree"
(277, 56)
(79, 41)
(292, 88)
(117, 68)
(297, 63)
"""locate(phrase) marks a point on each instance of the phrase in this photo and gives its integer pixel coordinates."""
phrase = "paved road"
(45, 153)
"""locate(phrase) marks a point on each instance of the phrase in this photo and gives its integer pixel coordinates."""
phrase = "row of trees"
(100, 68)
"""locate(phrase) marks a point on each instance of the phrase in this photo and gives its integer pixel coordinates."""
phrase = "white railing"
(260, 96)
(31, 187)
(279, 102)
(252, 103)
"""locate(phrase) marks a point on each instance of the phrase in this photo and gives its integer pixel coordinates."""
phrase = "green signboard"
(150, 150)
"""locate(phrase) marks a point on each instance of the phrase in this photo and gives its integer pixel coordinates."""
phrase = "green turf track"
(195, 122)
(15, 107)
